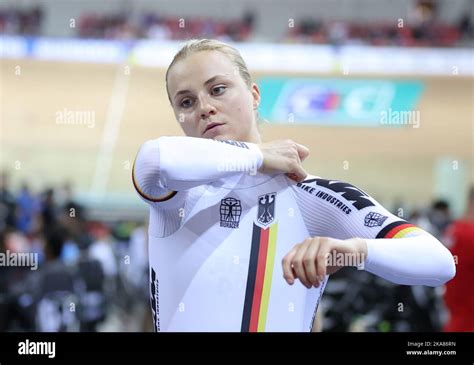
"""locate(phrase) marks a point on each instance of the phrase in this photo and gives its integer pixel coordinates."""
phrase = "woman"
(234, 222)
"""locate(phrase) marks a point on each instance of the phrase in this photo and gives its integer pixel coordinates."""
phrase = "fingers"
(303, 151)
(295, 154)
(298, 265)
(292, 176)
(322, 257)
(307, 262)
(299, 172)
(287, 269)
(296, 178)
(310, 263)
(284, 156)
(296, 171)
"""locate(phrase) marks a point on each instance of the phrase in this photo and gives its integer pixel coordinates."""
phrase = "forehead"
(199, 67)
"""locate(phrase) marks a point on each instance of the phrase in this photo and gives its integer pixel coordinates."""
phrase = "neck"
(254, 137)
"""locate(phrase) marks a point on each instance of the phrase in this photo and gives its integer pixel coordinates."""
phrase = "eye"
(218, 90)
(186, 103)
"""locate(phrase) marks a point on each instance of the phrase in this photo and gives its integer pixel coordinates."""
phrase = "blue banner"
(339, 102)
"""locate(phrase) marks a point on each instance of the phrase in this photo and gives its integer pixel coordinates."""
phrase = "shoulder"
(334, 192)
(337, 200)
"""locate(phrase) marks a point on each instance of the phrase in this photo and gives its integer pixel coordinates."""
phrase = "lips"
(211, 125)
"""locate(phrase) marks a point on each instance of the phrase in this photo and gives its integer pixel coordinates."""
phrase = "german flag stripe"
(398, 229)
(268, 278)
(406, 231)
(259, 278)
(251, 277)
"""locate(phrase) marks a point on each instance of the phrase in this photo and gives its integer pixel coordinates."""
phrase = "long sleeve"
(186, 162)
(168, 165)
(417, 260)
(397, 250)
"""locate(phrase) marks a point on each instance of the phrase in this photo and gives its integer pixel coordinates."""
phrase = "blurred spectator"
(157, 30)
(77, 286)
(423, 29)
(27, 208)
(459, 295)
(44, 299)
(137, 268)
(357, 301)
(440, 217)
(102, 251)
(466, 27)
(434, 220)
(424, 15)
(69, 204)
(5, 297)
(48, 210)
(7, 203)
(420, 219)
(151, 25)
(25, 22)
(338, 33)
(92, 299)
(136, 272)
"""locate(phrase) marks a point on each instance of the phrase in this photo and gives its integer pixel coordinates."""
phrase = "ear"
(255, 95)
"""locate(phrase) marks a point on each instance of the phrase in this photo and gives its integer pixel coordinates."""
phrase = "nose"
(206, 109)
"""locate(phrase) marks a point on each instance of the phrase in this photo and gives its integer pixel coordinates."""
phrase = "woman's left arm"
(350, 228)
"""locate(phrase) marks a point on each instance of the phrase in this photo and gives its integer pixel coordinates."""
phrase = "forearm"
(337, 209)
(181, 163)
(416, 260)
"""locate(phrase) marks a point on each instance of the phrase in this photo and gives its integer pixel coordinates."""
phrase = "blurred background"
(380, 91)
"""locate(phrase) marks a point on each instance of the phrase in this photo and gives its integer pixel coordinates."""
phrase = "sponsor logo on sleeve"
(353, 195)
(374, 219)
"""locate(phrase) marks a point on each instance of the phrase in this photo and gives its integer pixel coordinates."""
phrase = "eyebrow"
(212, 79)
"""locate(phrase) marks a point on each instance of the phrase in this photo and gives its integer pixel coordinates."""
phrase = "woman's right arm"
(167, 165)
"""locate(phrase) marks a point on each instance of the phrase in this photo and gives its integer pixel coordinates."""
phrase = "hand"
(308, 260)
(284, 156)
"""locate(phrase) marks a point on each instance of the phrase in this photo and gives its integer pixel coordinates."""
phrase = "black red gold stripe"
(397, 229)
(259, 279)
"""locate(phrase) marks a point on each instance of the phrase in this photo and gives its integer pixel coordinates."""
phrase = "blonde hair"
(198, 45)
